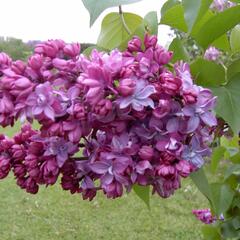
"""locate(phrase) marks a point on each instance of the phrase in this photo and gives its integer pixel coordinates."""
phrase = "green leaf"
(228, 106)
(233, 69)
(207, 73)
(217, 155)
(222, 196)
(113, 32)
(200, 180)
(236, 222)
(211, 232)
(151, 22)
(179, 51)
(230, 142)
(228, 230)
(232, 148)
(194, 10)
(96, 7)
(235, 39)
(222, 43)
(226, 199)
(198, 25)
(143, 192)
(174, 17)
(232, 170)
(217, 25)
(167, 5)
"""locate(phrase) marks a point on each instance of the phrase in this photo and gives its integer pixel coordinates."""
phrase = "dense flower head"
(132, 119)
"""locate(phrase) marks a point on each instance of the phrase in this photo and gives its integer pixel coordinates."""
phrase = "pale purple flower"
(212, 54)
(111, 167)
(194, 153)
(221, 5)
(183, 71)
(61, 149)
(201, 111)
(140, 98)
(42, 100)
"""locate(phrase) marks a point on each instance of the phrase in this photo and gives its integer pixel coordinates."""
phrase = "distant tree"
(16, 48)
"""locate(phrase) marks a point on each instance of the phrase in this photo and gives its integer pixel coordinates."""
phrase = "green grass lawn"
(55, 214)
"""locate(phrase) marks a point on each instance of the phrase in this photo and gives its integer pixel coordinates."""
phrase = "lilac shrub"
(134, 119)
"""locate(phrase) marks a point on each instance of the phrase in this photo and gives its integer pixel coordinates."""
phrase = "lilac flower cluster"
(212, 54)
(205, 216)
(133, 120)
(221, 5)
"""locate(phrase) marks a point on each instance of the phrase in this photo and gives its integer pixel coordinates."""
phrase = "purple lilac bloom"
(194, 153)
(221, 5)
(140, 98)
(204, 215)
(42, 100)
(61, 149)
(212, 54)
(200, 111)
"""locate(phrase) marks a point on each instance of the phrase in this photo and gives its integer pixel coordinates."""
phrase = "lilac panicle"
(107, 121)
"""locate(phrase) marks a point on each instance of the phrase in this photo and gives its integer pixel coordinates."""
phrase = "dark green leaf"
(96, 7)
(228, 230)
(210, 31)
(226, 199)
(211, 232)
(167, 5)
(194, 10)
(200, 180)
(236, 222)
(233, 69)
(235, 39)
(207, 73)
(174, 17)
(236, 202)
(113, 32)
(217, 155)
(228, 106)
(222, 196)
(179, 51)
(143, 192)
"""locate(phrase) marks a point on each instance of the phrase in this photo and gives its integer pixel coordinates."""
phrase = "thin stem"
(123, 20)
(79, 158)
(85, 139)
(170, 65)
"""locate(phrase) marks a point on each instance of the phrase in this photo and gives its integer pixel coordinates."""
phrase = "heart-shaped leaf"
(96, 7)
